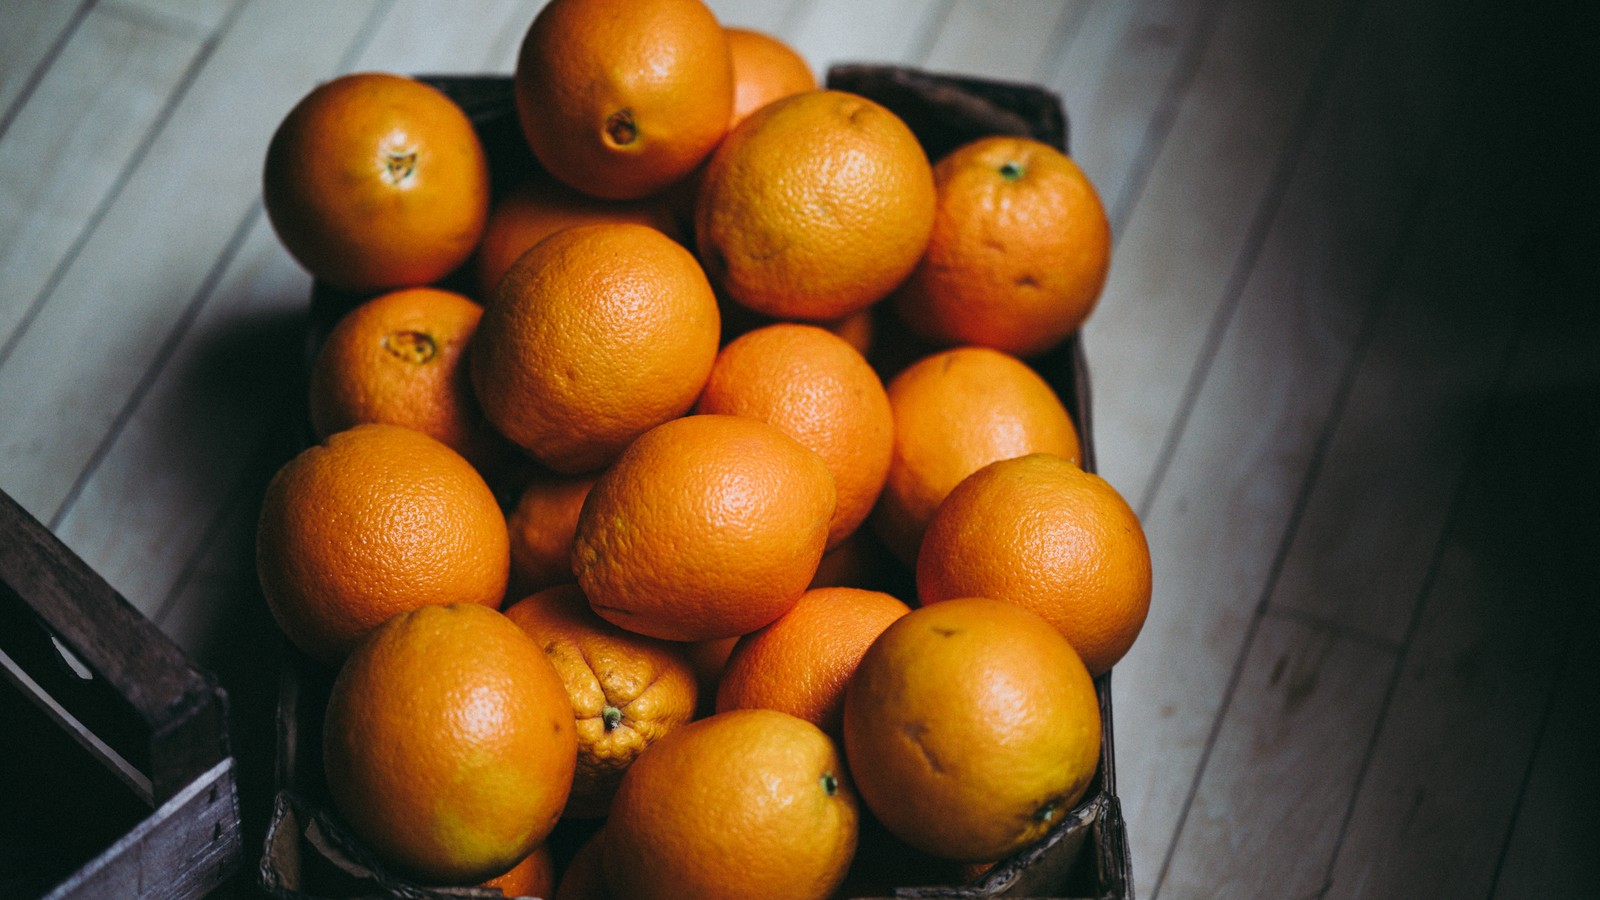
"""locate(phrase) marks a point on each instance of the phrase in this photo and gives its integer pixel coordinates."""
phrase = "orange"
(376, 520)
(376, 181)
(541, 526)
(971, 727)
(593, 336)
(538, 206)
(535, 876)
(584, 877)
(815, 207)
(621, 98)
(707, 527)
(955, 412)
(448, 743)
(1042, 533)
(1019, 250)
(708, 658)
(751, 803)
(863, 562)
(815, 387)
(400, 358)
(764, 69)
(800, 663)
(627, 690)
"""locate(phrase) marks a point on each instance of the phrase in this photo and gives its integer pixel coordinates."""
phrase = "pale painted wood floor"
(1347, 368)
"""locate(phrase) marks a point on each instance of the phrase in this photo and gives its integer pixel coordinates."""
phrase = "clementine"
(706, 527)
(593, 336)
(448, 743)
(1040, 532)
(814, 207)
(971, 727)
(375, 181)
(1019, 251)
(954, 412)
(377, 520)
(627, 690)
(815, 387)
(621, 98)
(800, 663)
(751, 803)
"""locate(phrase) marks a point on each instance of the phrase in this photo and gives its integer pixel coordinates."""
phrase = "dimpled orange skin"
(706, 527)
(751, 803)
(539, 206)
(400, 358)
(955, 412)
(376, 520)
(1019, 251)
(541, 526)
(621, 98)
(627, 690)
(593, 336)
(764, 69)
(376, 181)
(971, 727)
(818, 389)
(801, 663)
(815, 207)
(449, 744)
(1042, 533)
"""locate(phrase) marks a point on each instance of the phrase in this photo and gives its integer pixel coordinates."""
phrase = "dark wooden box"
(309, 855)
(116, 778)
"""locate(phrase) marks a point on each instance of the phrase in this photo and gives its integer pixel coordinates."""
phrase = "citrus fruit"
(448, 743)
(812, 385)
(815, 206)
(751, 803)
(1042, 533)
(538, 206)
(584, 876)
(764, 69)
(706, 527)
(541, 525)
(376, 520)
(1019, 250)
(620, 98)
(800, 663)
(376, 181)
(535, 876)
(627, 690)
(400, 358)
(955, 412)
(971, 727)
(593, 336)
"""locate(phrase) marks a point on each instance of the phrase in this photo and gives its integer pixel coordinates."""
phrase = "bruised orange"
(375, 181)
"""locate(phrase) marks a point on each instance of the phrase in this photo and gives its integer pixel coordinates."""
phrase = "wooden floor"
(1347, 368)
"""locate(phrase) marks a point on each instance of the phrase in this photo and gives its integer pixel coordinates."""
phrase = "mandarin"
(815, 207)
(971, 727)
(627, 690)
(448, 743)
(800, 663)
(400, 358)
(376, 181)
(955, 412)
(377, 520)
(815, 387)
(538, 206)
(706, 527)
(621, 98)
(1042, 533)
(1019, 251)
(595, 335)
(751, 803)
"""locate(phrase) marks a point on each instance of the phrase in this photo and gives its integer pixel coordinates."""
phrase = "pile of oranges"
(722, 510)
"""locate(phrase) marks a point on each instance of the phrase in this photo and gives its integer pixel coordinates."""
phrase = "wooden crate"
(116, 774)
(309, 854)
